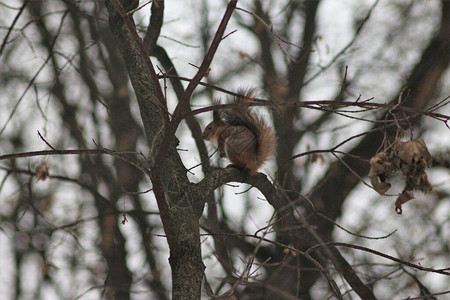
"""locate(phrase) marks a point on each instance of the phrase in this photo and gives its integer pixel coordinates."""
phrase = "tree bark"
(178, 209)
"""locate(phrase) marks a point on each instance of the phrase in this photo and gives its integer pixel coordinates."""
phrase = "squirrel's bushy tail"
(266, 142)
(240, 114)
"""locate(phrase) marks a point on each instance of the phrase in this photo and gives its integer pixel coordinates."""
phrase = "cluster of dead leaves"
(411, 158)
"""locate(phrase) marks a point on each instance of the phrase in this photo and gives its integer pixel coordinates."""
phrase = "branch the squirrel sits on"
(242, 136)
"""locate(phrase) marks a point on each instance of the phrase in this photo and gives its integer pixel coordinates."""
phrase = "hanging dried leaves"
(411, 158)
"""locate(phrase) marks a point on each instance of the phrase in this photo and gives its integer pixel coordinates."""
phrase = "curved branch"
(445, 271)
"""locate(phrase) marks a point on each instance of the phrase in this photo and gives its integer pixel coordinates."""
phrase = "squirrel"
(240, 135)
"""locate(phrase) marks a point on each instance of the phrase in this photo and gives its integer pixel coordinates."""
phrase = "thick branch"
(171, 187)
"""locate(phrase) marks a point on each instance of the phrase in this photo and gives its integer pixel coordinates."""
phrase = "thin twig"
(45, 141)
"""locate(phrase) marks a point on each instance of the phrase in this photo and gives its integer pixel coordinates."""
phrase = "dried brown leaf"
(207, 73)
(317, 157)
(47, 266)
(379, 187)
(424, 184)
(381, 164)
(381, 169)
(42, 171)
(404, 197)
(412, 156)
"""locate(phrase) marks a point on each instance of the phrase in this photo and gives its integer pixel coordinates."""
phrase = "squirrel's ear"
(216, 112)
(216, 116)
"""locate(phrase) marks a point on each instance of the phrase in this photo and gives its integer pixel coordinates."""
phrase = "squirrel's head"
(211, 129)
(208, 133)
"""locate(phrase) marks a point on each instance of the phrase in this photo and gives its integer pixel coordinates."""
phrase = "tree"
(109, 200)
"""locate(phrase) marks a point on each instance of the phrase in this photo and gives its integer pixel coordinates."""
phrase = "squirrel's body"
(241, 136)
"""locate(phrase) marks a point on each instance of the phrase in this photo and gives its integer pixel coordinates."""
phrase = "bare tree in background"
(91, 216)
